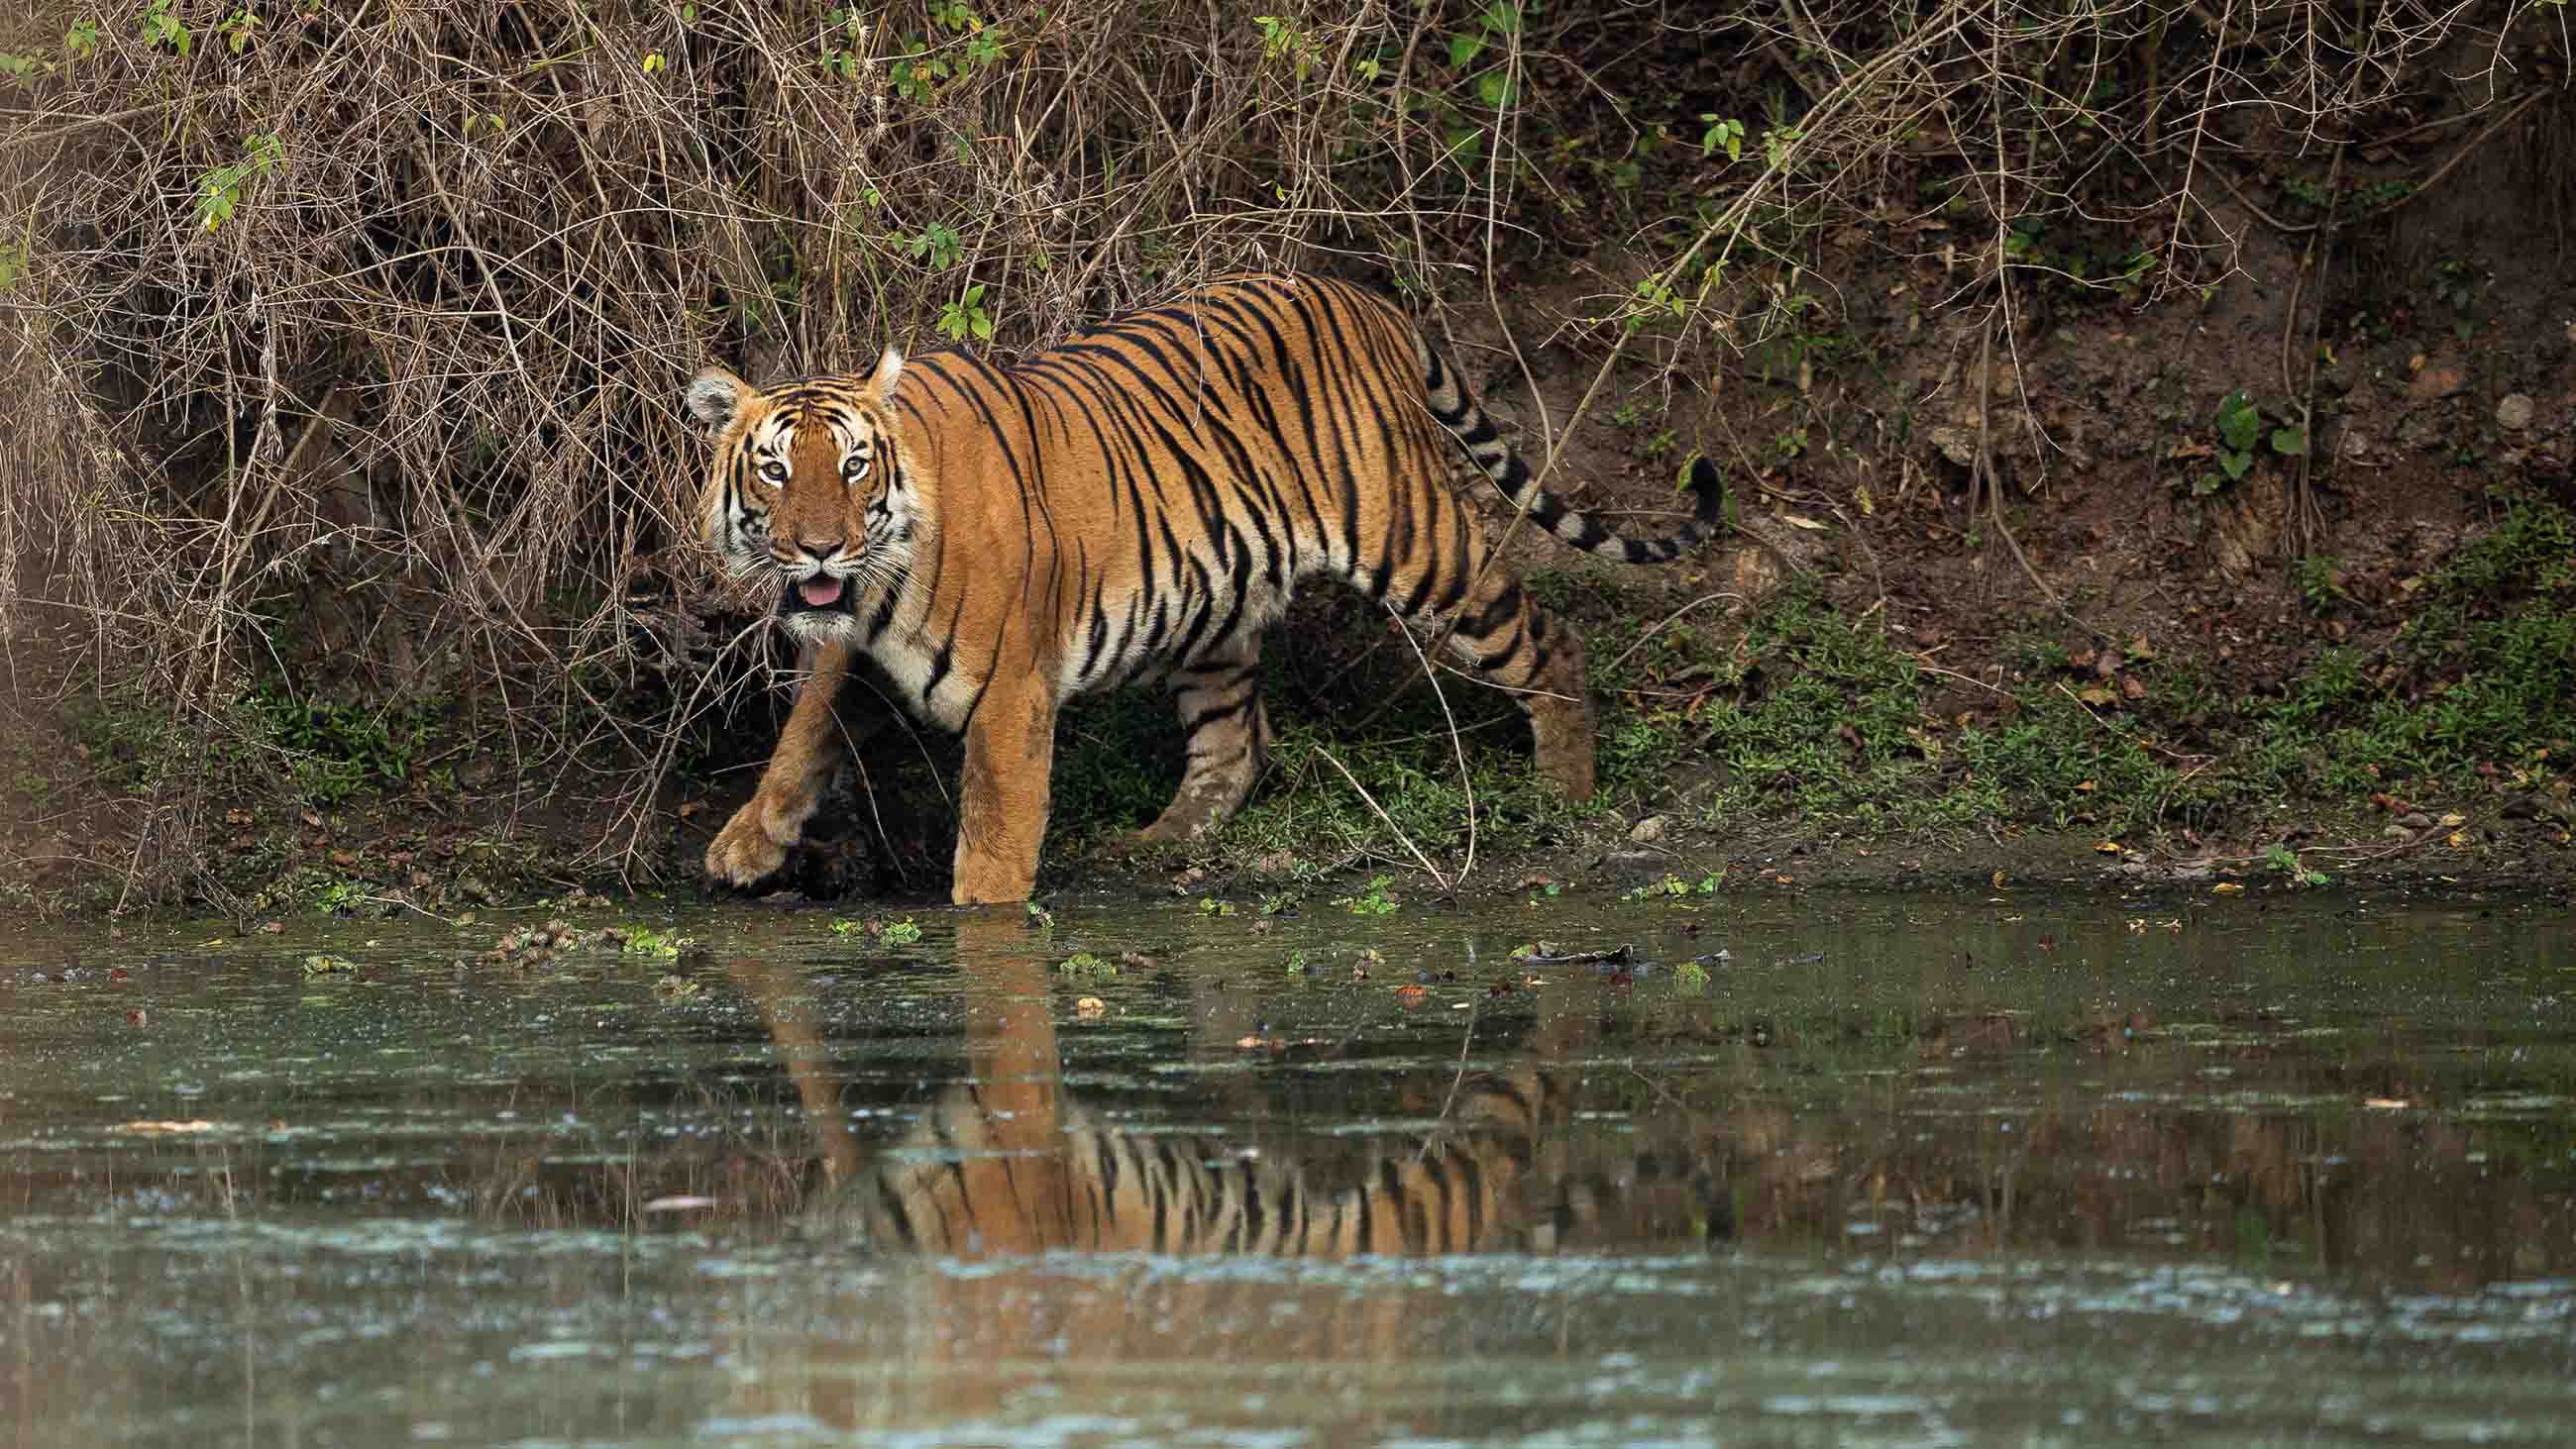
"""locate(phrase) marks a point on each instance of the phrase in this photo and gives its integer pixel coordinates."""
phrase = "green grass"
(322, 751)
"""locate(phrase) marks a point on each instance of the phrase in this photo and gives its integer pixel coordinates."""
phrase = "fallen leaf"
(2107, 847)
(1090, 1007)
(2227, 888)
(1410, 996)
(1799, 520)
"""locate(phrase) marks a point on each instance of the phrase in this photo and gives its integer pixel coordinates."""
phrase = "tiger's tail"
(1458, 411)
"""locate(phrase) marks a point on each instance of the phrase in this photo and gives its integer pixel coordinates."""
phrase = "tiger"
(972, 1180)
(1136, 504)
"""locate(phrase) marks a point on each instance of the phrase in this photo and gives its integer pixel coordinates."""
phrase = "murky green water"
(1897, 1171)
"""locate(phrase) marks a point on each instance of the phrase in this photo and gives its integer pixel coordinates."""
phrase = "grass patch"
(322, 752)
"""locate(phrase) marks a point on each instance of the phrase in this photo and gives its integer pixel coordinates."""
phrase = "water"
(1899, 1171)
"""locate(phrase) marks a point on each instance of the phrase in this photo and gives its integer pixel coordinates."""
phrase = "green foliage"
(2454, 283)
(219, 191)
(2483, 675)
(335, 750)
(1083, 965)
(965, 317)
(645, 941)
(161, 26)
(885, 933)
(1372, 901)
(1282, 40)
(2318, 586)
(844, 32)
(2285, 862)
(939, 245)
(1673, 888)
(2240, 431)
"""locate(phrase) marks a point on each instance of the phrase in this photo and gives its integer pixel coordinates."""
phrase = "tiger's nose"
(818, 547)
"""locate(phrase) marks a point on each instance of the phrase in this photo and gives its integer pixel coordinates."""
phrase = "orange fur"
(1137, 503)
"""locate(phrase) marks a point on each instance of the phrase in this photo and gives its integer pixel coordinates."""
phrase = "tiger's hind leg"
(1219, 698)
(1506, 639)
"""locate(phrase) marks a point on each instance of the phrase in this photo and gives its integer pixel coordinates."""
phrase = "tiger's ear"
(713, 396)
(889, 372)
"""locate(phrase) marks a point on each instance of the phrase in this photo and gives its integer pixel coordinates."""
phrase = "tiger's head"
(808, 484)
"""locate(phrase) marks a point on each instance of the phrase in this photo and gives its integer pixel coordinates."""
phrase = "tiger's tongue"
(820, 591)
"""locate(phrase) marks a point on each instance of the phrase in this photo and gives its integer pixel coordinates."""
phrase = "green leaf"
(2236, 463)
(2290, 442)
(1494, 88)
(1464, 48)
(2238, 422)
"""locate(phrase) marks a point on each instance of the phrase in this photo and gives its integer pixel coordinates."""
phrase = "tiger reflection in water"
(1010, 1163)
(1013, 1172)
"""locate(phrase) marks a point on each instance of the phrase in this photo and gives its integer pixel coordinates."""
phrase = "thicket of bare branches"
(343, 341)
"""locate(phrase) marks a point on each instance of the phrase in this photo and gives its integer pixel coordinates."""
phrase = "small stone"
(2514, 411)
(2415, 820)
(2437, 381)
(1648, 830)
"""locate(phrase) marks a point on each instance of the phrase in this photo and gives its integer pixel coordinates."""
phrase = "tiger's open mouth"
(819, 594)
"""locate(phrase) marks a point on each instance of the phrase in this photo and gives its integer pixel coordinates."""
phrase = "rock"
(2437, 380)
(2514, 411)
(1648, 830)
(2416, 820)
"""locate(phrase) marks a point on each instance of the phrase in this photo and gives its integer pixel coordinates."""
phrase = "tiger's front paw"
(744, 851)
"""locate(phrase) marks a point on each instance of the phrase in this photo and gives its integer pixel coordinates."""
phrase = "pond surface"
(1895, 1171)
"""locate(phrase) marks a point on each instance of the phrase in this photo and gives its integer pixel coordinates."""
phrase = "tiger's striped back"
(1139, 503)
